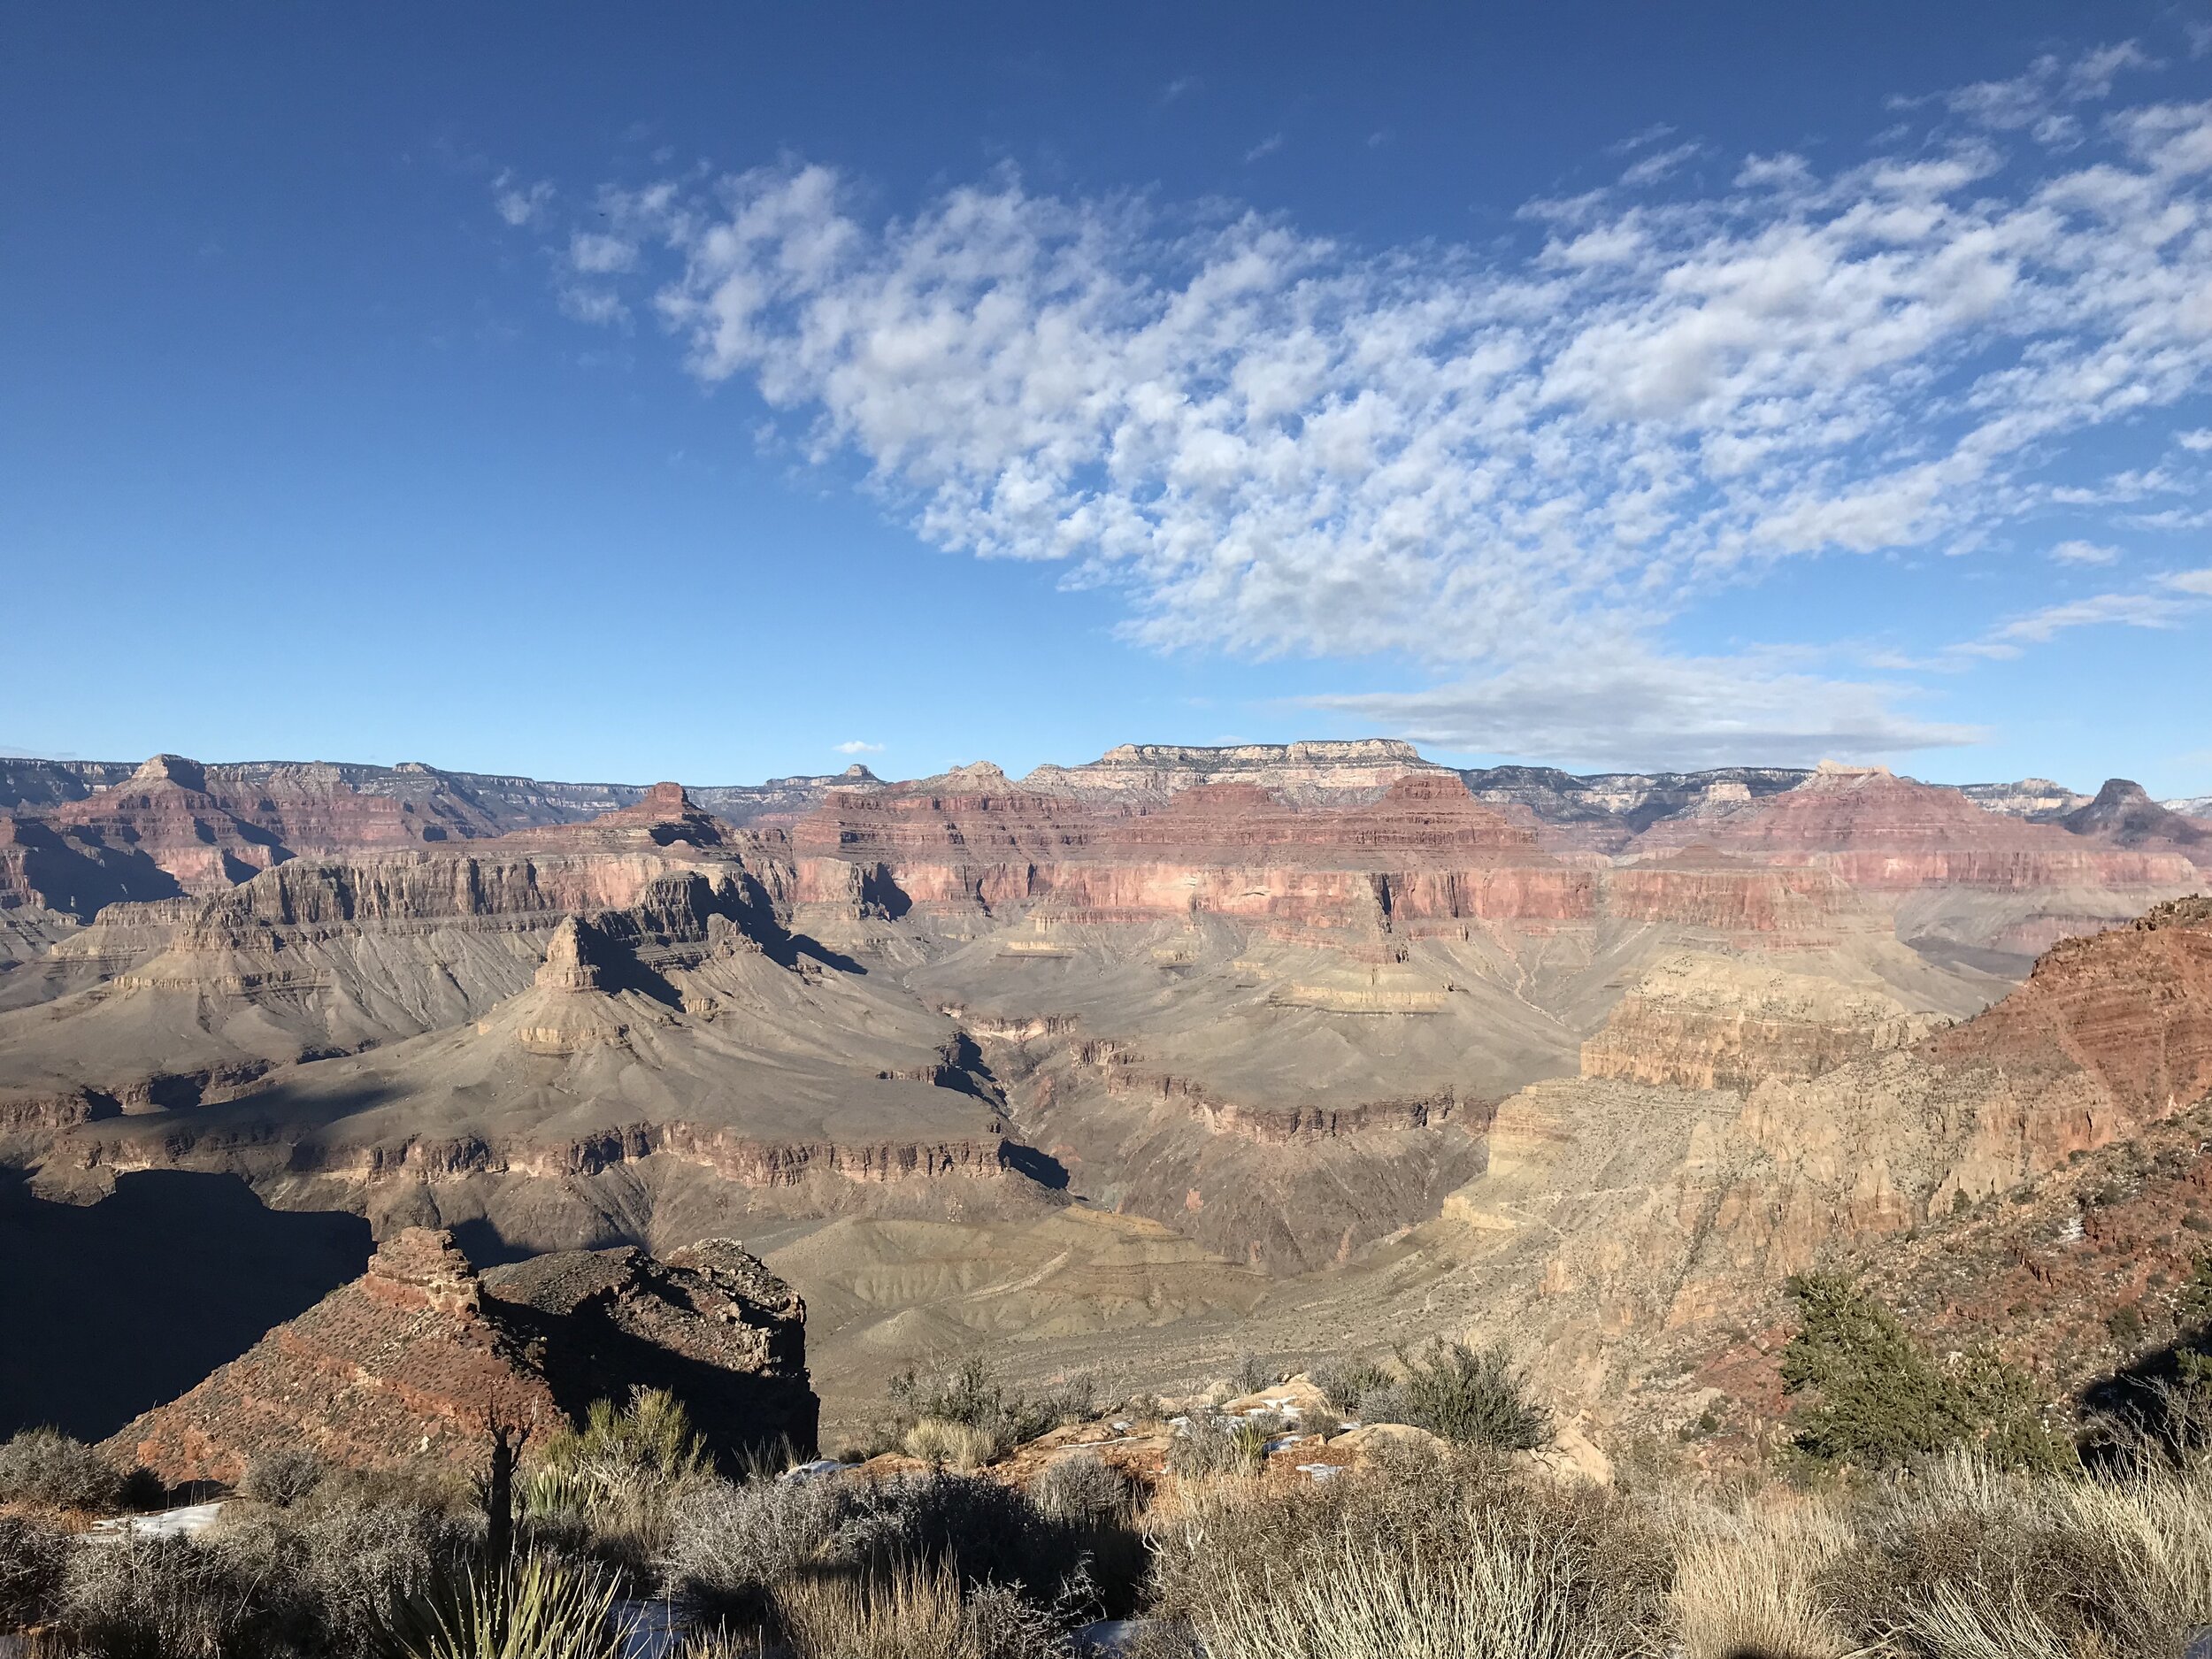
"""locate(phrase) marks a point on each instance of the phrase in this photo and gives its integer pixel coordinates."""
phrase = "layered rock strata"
(1711, 1023)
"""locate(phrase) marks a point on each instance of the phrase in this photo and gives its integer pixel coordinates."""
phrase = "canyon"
(1129, 1065)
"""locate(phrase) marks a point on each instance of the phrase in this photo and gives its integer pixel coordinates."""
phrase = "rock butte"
(1318, 1038)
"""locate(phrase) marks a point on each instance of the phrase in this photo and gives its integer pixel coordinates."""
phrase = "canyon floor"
(1130, 1067)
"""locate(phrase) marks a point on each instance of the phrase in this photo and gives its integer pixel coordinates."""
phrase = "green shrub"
(1882, 1402)
(969, 1394)
(618, 1474)
(43, 1465)
(2193, 1302)
(1469, 1396)
(1345, 1384)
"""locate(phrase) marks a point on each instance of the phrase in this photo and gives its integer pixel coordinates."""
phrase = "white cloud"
(2031, 100)
(589, 305)
(1634, 710)
(1266, 147)
(855, 747)
(1634, 141)
(1274, 443)
(2190, 582)
(1657, 165)
(2083, 553)
(521, 205)
(2197, 442)
(597, 254)
(2039, 627)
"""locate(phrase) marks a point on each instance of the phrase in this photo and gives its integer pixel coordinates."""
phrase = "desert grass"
(964, 1446)
(1961, 1560)
(1749, 1578)
(1497, 1599)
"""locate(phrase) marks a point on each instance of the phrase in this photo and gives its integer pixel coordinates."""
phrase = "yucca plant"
(536, 1608)
(619, 1472)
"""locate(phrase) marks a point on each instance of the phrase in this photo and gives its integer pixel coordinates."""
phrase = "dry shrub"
(735, 1550)
(910, 1612)
(1346, 1383)
(43, 1465)
(31, 1557)
(282, 1478)
(1081, 1487)
(332, 1571)
(971, 1395)
(1415, 1531)
(142, 1597)
(728, 1543)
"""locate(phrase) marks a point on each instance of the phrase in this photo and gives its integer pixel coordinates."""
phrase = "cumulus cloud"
(855, 747)
(1491, 464)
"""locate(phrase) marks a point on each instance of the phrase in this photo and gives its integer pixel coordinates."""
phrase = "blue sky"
(722, 391)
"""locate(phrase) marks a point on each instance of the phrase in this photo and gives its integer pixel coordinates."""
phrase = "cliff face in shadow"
(114, 1307)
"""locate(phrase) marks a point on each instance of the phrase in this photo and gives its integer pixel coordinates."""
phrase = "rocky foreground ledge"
(410, 1366)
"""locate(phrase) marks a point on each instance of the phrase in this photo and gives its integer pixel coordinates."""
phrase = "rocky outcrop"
(1710, 1022)
(2129, 1011)
(69, 870)
(708, 1322)
(401, 1369)
(411, 1365)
